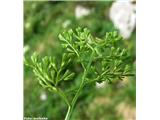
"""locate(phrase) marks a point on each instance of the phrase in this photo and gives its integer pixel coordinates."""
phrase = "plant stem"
(70, 109)
(68, 113)
(63, 96)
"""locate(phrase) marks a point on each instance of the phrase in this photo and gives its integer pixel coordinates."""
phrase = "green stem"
(68, 113)
(79, 89)
(70, 110)
(63, 96)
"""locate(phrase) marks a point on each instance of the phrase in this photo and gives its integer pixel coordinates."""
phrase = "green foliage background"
(43, 21)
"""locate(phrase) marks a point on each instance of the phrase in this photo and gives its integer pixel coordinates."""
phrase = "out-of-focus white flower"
(81, 11)
(100, 85)
(123, 15)
(26, 48)
(43, 96)
(66, 23)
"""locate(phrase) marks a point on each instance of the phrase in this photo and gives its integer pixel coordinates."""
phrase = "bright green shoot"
(99, 59)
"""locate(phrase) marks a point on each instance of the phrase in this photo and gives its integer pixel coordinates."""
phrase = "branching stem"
(70, 109)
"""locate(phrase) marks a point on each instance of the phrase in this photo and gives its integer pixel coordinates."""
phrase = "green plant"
(99, 60)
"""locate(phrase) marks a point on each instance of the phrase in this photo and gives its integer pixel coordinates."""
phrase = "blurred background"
(43, 21)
